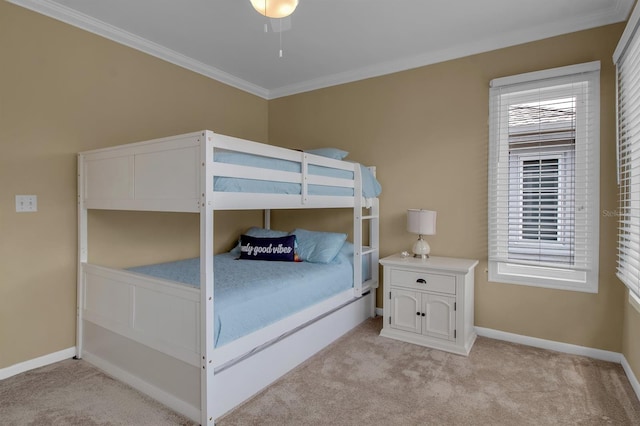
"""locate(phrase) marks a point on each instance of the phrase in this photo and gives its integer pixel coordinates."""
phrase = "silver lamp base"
(421, 249)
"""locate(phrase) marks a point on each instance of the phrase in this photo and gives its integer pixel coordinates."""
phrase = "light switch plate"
(26, 203)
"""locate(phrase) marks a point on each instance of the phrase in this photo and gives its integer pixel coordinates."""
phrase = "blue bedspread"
(370, 186)
(250, 294)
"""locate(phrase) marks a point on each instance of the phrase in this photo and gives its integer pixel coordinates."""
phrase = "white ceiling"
(330, 41)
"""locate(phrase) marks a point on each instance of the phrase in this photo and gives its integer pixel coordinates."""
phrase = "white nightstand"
(429, 302)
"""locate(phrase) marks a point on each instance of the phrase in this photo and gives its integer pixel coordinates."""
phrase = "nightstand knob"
(423, 314)
(418, 313)
(421, 281)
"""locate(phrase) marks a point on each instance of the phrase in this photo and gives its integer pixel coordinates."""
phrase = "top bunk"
(187, 172)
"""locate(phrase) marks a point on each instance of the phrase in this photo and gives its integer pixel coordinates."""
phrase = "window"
(544, 178)
(627, 59)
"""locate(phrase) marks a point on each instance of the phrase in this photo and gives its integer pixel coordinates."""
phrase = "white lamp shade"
(421, 222)
(275, 8)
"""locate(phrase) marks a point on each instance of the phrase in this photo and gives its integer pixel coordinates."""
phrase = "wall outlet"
(26, 203)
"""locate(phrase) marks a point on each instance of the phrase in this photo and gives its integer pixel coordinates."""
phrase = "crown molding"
(103, 29)
(617, 12)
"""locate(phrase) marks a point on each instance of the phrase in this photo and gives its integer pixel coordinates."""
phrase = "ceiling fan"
(275, 8)
(279, 13)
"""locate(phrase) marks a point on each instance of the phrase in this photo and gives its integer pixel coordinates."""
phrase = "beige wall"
(63, 90)
(426, 130)
(630, 341)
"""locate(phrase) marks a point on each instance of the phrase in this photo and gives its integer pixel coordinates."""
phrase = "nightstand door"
(405, 310)
(440, 320)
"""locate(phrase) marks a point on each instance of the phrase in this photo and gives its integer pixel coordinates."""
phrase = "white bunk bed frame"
(157, 335)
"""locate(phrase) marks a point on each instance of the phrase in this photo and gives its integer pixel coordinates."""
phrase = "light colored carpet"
(364, 379)
(397, 384)
(73, 392)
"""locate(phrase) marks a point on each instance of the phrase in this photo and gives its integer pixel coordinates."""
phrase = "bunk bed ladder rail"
(373, 251)
(360, 250)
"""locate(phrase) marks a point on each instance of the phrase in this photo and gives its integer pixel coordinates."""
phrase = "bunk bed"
(159, 333)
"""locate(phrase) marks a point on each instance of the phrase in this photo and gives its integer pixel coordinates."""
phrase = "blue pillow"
(254, 231)
(334, 153)
(318, 247)
(256, 248)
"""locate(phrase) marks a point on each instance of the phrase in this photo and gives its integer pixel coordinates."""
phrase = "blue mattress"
(370, 186)
(250, 294)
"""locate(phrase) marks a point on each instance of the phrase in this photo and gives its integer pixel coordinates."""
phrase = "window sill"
(545, 277)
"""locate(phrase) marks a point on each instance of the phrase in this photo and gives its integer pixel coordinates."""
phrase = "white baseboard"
(31, 364)
(565, 348)
(379, 312)
(631, 376)
(551, 345)
(548, 344)
(481, 331)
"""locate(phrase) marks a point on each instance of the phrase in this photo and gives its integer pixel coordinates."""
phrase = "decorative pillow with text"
(279, 248)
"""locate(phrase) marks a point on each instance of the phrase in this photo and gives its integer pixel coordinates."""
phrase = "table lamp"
(421, 222)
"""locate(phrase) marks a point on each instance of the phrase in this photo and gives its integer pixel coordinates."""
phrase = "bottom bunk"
(176, 383)
(251, 294)
(143, 325)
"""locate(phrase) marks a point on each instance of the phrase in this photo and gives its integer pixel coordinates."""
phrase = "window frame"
(626, 58)
(531, 272)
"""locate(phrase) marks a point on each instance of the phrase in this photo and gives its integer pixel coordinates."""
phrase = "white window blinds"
(627, 60)
(544, 178)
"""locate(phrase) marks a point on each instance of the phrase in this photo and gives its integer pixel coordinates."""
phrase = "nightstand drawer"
(423, 281)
